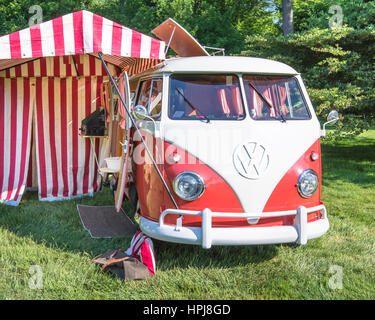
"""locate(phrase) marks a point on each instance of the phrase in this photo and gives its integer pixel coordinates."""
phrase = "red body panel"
(218, 195)
(286, 197)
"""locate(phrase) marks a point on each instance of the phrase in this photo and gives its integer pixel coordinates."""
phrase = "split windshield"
(205, 97)
(218, 97)
(274, 98)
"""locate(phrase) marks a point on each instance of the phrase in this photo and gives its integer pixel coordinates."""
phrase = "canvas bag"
(142, 248)
(122, 265)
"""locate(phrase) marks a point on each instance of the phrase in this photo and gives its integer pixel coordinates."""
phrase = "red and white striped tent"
(50, 80)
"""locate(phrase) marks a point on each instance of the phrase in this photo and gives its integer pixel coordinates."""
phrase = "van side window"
(271, 98)
(151, 97)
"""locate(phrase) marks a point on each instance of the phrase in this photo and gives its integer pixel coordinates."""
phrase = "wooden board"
(183, 43)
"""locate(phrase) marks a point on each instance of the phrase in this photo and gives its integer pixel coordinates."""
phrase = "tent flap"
(51, 79)
(66, 162)
(15, 133)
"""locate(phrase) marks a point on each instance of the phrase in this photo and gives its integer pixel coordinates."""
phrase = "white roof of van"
(225, 64)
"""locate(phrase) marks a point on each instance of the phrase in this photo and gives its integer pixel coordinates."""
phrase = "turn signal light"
(314, 156)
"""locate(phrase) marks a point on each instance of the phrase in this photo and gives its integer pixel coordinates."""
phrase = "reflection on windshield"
(213, 97)
(283, 98)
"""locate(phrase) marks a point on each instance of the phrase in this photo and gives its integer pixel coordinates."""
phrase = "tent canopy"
(50, 80)
(81, 32)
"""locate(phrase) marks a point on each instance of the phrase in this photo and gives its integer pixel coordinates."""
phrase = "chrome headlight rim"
(304, 172)
(200, 180)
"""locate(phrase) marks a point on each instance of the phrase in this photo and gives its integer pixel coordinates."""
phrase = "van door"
(121, 184)
(149, 186)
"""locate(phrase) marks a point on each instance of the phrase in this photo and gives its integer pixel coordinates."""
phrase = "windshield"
(205, 97)
(275, 98)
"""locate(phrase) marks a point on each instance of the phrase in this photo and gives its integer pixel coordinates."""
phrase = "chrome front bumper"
(299, 232)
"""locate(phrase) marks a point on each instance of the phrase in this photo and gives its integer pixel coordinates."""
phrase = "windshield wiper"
(191, 106)
(282, 116)
(266, 101)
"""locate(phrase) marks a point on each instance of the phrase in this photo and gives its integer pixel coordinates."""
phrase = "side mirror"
(140, 112)
(332, 118)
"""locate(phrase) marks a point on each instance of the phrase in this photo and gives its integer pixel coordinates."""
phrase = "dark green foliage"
(217, 23)
(14, 14)
(337, 64)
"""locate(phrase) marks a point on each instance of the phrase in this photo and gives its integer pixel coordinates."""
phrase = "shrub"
(337, 66)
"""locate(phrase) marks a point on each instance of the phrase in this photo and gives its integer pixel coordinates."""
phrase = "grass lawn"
(51, 236)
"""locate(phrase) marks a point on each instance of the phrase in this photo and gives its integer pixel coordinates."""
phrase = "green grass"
(51, 236)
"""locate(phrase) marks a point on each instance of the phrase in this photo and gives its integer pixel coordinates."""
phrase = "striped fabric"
(32, 174)
(60, 67)
(50, 80)
(78, 33)
(66, 163)
(139, 65)
(15, 132)
(142, 247)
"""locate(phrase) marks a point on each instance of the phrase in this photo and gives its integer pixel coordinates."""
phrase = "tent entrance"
(42, 104)
(50, 79)
(32, 171)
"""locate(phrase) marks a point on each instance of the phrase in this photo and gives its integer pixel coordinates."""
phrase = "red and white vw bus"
(236, 144)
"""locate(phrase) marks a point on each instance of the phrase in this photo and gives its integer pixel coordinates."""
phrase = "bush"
(337, 66)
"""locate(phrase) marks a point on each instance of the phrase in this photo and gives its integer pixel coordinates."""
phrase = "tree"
(287, 17)
(216, 23)
(15, 15)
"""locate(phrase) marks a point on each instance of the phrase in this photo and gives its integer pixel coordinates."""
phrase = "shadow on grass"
(57, 225)
(172, 255)
(356, 153)
(351, 163)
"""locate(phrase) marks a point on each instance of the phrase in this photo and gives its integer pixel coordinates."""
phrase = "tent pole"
(136, 128)
(75, 66)
(170, 40)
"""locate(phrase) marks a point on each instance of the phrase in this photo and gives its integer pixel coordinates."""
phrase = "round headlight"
(308, 183)
(188, 185)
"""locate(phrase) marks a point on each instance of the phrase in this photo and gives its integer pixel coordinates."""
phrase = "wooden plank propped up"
(180, 40)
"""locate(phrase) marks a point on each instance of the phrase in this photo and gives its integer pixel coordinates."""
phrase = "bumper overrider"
(299, 232)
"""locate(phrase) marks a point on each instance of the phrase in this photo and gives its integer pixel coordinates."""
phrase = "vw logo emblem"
(251, 160)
